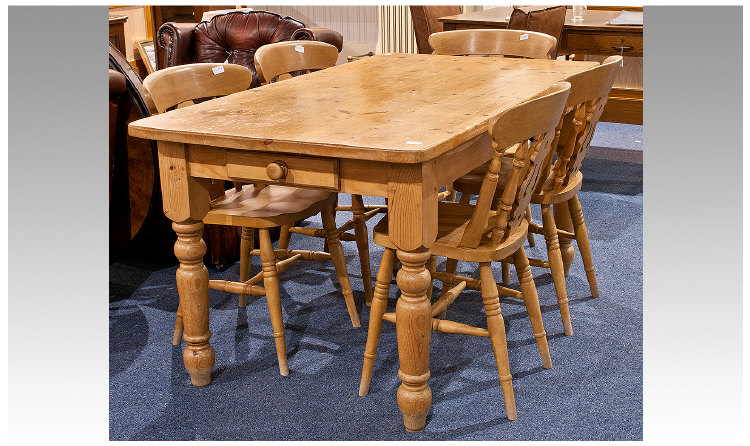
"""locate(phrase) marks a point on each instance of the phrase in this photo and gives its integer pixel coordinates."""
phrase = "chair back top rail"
(173, 86)
(280, 58)
(531, 125)
(588, 95)
(494, 42)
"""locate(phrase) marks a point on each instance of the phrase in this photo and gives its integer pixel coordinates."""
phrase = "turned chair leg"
(530, 235)
(339, 262)
(377, 310)
(465, 198)
(451, 198)
(360, 234)
(505, 273)
(450, 268)
(284, 236)
(531, 300)
(582, 239)
(556, 266)
(178, 327)
(273, 296)
(496, 327)
(247, 243)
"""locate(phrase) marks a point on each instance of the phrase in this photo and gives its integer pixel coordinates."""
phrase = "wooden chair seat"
(452, 221)
(472, 182)
(561, 195)
(267, 207)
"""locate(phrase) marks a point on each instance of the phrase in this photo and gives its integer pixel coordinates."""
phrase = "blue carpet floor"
(593, 392)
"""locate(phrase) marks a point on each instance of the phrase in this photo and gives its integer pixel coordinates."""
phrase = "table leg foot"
(199, 362)
(414, 402)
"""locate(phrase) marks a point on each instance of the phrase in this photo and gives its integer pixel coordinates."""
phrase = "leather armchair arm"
(321, 35)
(116, 85)
(178, 42)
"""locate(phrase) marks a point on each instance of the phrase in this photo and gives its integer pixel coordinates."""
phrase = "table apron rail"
(345, 175)
(337, 174)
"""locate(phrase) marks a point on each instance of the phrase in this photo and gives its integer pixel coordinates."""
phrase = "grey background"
(57, 224)
(693, 223)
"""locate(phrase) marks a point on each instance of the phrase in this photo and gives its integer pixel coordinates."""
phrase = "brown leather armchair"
(234, 37)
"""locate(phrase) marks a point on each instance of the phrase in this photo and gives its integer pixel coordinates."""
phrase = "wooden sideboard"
(117, 31)
(592, 37)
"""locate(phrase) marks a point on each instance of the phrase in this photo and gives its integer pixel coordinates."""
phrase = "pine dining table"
(399, 126)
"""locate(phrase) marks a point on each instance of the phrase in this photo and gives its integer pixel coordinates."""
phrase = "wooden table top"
(401, 108)
(594, 20)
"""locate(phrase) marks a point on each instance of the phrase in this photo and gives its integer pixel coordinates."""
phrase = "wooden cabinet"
(117, 31)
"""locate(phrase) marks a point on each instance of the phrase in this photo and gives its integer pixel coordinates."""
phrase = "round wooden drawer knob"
(276, 170)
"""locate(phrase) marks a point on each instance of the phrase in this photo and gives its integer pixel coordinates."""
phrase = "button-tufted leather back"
(234, 37)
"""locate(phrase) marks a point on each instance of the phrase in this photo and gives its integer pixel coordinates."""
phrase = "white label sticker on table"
(218, 70)
(413, 142)
(299, 48)
(524, 36)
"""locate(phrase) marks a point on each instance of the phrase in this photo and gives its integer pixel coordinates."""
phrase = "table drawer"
(632, 45)
(283, 169)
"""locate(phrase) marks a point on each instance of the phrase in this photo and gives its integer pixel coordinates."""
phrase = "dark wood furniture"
(117, 31)
(135, 207)
(592, 36)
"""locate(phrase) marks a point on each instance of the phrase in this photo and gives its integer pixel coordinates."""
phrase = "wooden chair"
(280, 61)
(294, 56)
(561, 179)
(494, 42)
(492, 230)
(253, 206)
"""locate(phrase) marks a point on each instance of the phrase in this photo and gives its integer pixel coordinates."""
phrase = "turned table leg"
(185, 201)
(413, 328)
(412, 227)
(192, 286)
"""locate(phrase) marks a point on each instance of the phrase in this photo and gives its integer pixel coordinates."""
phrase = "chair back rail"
(586, 101)
(280, 58)
(173, 86)
(531, 126)
(494, 42)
